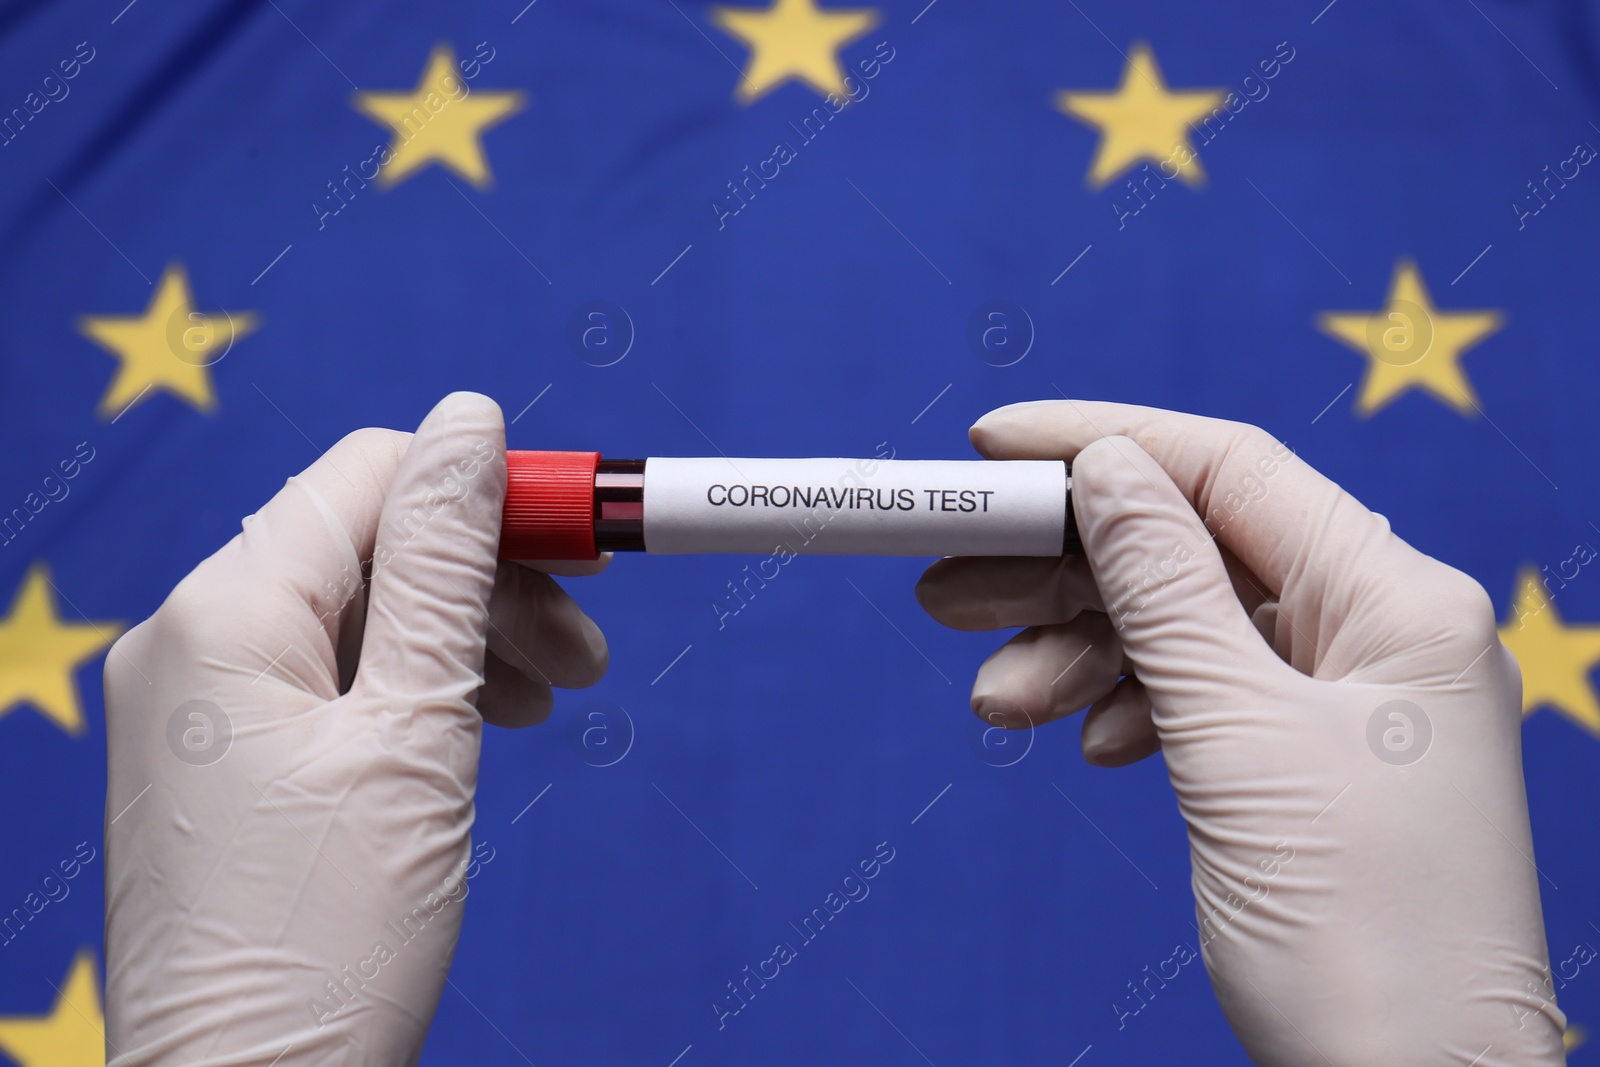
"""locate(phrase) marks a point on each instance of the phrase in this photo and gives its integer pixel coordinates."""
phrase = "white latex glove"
(247, 898)
(1365, 894)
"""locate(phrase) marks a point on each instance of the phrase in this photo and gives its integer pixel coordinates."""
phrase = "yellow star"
(793, 39)
(440, 122)
(1141, 120)
(171, 346)
(1574, 1036)
(1410, 344)
(72, 1035)
(1556, 658)
(39, 652)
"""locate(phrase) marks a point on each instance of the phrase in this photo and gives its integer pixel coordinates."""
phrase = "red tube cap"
(549, 511)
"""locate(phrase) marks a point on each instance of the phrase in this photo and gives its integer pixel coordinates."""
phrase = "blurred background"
(235, 231)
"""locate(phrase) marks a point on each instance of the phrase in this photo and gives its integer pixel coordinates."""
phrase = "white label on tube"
(883, 507)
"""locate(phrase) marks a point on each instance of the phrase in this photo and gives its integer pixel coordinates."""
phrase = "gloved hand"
(292, 894)
(1349, 765)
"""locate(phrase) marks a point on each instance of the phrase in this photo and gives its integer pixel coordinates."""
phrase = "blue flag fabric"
(234, 231)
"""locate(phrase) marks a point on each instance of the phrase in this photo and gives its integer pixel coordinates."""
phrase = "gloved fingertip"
(599, 650)
(465, 404)
(1004, 428)
(1001, 713)
(1110, 474)
(1114, 744)
(952, 601)
(511, 699)
(981, 435)
(465, 414)
(1103, 451)
(931, 590)
(1111, 754)
(1118, 730)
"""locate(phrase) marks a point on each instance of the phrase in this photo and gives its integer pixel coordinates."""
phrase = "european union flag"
(234, 231)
